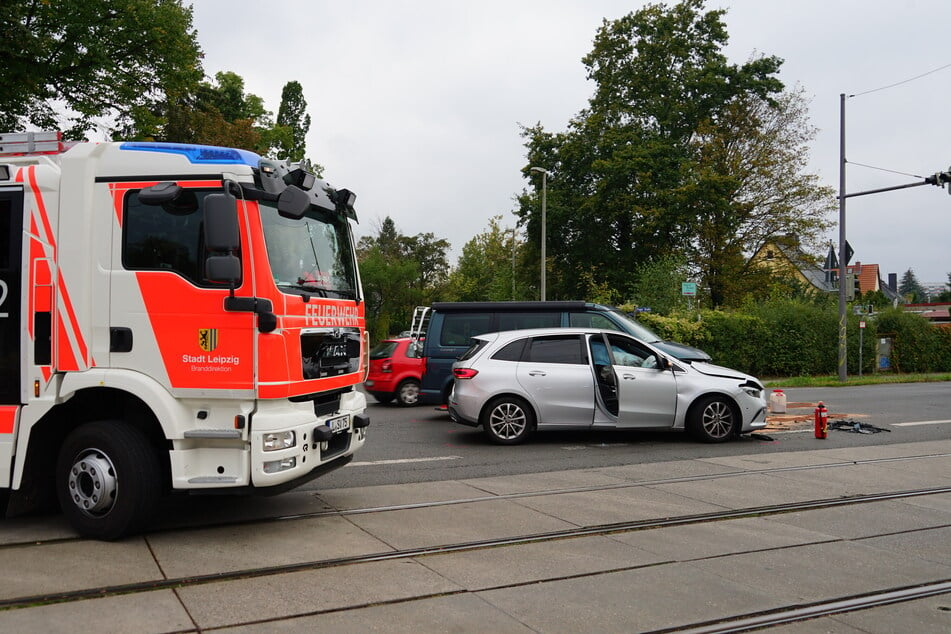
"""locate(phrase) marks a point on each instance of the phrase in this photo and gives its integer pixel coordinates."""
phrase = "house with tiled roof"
(870, 280)
(938, 313)
(784, 256)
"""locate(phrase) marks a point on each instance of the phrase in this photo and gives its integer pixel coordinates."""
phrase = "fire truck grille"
(332, 352)
(327, 403)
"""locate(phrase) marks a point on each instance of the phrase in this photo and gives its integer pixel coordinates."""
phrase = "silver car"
(512, 383)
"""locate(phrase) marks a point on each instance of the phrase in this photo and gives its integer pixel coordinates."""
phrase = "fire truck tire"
(108, 479)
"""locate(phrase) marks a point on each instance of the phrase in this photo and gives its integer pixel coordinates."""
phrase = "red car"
(396, 369)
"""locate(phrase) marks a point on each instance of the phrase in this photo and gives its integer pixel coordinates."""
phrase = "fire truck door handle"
(120, 340)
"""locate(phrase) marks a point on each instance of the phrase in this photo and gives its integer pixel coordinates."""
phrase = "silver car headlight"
(753, 389)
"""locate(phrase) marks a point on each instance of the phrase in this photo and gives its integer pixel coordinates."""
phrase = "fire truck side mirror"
(223, 268)
(293, 202)
(221, 222)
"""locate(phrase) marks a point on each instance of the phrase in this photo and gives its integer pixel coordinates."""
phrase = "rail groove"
(583, 531)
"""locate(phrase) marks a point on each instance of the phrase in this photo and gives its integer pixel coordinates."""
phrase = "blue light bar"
(208, 154)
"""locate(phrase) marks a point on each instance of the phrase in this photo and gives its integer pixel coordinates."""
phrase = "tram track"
(172, 583)
(491, 497)
(807, 611)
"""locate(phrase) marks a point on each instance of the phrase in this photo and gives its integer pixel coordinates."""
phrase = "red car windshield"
(383, 350)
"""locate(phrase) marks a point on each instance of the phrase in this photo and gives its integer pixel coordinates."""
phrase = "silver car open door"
(647, 395)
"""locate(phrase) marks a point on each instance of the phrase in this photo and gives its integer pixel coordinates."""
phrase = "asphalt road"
(420, 444)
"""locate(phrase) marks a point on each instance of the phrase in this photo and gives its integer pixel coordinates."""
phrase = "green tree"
(389, 296)
(911, 289)
(222, 113)
(399, 273)
(623, 185)
(99, 59)
(428, 253)
(750, 186)
(486, 270)
(945, 295)
(292, 115)
(876, 300)
(657, 284)
(388, 280)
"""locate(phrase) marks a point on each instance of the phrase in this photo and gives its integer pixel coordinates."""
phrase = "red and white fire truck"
(173, 319)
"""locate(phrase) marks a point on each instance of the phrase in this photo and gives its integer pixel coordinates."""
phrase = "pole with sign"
(688, 289)
(861, 332)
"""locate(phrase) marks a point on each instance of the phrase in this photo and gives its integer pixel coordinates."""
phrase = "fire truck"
(173, 319)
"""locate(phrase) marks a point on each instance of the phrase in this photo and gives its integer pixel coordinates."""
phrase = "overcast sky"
(416, 105)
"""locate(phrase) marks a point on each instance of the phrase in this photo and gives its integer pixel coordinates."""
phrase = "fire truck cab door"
(167, 318)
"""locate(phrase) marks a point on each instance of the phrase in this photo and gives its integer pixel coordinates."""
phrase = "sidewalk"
(628, 581)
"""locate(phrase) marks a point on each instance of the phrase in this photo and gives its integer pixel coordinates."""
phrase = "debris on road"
(856, 427)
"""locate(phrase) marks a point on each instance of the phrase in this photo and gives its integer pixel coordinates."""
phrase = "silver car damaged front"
(697, 379)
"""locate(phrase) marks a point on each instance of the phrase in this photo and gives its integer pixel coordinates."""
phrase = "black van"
(448, 327)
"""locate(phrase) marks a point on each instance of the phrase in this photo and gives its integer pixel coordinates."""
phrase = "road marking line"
(921, 422)
(403, 461)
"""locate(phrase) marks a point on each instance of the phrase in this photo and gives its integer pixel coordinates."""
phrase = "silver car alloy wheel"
(717, 419)
(508, 420)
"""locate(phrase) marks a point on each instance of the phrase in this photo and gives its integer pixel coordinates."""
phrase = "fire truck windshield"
(312, 255)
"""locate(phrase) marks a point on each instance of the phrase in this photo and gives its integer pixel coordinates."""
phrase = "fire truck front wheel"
(108, 479)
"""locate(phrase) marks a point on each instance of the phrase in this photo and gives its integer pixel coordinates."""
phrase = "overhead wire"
(885, 169)
(904, 81)
(898, 83)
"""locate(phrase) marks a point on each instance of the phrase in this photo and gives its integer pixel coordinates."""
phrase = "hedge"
(792, 338)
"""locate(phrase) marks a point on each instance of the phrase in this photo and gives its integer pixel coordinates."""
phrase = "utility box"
(883, 354)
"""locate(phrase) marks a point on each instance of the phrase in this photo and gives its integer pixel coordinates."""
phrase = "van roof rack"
(446, 307)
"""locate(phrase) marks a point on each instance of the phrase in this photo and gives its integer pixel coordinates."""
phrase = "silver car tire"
(407, 393)
(508, 420)
(713, 419)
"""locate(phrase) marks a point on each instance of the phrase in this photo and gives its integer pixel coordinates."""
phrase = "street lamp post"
(513, 264)
(843, 320)
(939, 179)
(544, 174)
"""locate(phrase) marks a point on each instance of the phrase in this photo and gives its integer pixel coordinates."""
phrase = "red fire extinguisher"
(822, 421)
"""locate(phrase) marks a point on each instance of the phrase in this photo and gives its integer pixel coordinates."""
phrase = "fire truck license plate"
(339, 424)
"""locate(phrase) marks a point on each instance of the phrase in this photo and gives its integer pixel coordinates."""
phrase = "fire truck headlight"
(279, 440)
(276, 466)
